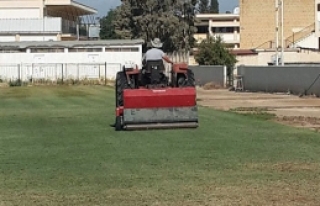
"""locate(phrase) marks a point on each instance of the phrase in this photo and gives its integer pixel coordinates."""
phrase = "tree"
(208, 6)
(107, 27)
(204, 6)
(213, 52)
(214, 6)
(170, 20)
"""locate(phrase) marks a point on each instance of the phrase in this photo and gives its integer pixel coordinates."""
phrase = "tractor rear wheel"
(121, 84)
(118, 124)
(186, 81)
(191, 79)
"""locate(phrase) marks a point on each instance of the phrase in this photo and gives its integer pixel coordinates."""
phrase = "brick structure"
(258, 21)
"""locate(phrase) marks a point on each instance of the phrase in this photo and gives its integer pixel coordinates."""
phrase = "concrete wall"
(208, 74)
(118, 57)
(263, 58)
(311, 41)
(295, 79)
(55, 71)
(258, 19)
(21, 8)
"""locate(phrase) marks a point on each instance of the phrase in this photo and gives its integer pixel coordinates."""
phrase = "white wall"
(263, 58)
(311, 41)
(12, 38)
(8, 38)
(16, 13)
(77, 57)
(37, 38)
(49, 65)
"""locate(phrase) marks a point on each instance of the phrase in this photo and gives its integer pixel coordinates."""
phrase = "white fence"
(59, 71)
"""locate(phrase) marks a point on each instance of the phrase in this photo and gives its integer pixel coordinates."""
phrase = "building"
(76, 58)
(227, 26)
(43, 20)
(258, 24)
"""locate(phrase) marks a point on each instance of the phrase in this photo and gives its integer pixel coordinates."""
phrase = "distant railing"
(266, 45)
(295, 37)
(41, 25)
(34, 25)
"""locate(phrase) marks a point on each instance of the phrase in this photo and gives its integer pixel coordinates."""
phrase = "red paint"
(180, 68)
(119, 111)
(166, 97)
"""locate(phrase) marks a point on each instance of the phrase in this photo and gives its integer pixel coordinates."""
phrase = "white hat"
(156, 43)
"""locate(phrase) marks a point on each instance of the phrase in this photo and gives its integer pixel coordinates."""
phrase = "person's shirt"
(154, 54)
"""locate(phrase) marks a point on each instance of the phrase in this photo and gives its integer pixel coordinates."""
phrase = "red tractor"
(147, 98)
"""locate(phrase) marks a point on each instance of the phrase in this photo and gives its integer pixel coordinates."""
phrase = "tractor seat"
(154, 65)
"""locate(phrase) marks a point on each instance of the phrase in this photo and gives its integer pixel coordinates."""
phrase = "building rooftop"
(71, 6)
(68, 44)
(217, 16)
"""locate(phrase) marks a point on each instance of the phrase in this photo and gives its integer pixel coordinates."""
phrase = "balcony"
(229, 38)
(49, 25)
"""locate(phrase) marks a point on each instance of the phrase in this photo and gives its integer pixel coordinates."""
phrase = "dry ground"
(289, 109)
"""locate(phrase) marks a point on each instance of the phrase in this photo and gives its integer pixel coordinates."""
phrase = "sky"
(103, 6)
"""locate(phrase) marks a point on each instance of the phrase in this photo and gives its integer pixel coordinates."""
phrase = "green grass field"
(57, 148)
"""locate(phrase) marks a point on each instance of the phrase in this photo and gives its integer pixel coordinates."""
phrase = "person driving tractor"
(156, 53)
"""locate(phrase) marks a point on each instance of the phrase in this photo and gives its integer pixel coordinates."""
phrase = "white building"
(76, 58)
(227, 26)
(43, 20)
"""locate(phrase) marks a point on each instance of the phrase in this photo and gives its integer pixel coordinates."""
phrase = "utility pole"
(282, 34)
(44, 9)
(277, 32)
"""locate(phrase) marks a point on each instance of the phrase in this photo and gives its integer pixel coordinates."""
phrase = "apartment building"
(43, 20)
(227, 26)
(258, 19)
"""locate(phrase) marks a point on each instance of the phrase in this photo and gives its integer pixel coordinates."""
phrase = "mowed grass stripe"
(70, 153)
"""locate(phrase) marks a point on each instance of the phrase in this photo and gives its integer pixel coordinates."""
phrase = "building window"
(47, 50)
(122, 49)
(85, 50)
(12, 51)
(202, 29)
(222, 29)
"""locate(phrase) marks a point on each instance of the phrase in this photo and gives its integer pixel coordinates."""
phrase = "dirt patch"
(301, 121)
(288, 109)
(279, 193)
(284, 167)
(211, 85)
(4, 85)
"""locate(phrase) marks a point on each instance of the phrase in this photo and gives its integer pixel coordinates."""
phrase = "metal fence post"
(78, 71)
(225, 76)
(32, 73)
(19, 78)
(62, 73)
(99, 72)
(105, 73)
